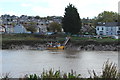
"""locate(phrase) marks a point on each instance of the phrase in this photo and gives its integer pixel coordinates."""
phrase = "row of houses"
(14, 24)
(19, 28)
(108, 29)
(7, 19)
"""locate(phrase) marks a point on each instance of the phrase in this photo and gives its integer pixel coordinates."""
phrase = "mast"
(67, 39)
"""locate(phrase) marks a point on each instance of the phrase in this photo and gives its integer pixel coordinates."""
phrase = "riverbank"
(36, 41)
(77, 45)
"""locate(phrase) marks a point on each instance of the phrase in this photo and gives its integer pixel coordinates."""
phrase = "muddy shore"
(76, 45)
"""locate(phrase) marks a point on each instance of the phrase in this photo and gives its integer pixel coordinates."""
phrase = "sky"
(43, 8)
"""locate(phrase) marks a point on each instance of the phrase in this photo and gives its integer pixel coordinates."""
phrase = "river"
(21, 62)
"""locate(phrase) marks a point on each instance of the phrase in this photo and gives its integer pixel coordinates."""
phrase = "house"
(108, 29)
(8, 28)
(2, 29)
(6, 19)
(87, 28)
(19, 29)
(0, 21)
(42, 27)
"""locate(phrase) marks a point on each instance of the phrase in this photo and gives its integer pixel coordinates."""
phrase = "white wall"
(19, 29)
(99, 30)
(111, 30)
(9, 28)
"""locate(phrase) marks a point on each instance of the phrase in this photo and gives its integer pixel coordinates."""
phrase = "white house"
(42, 27)
(8, 28)
(19, 29)
(108, 29)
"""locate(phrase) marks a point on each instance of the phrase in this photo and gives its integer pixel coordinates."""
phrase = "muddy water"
(21, 62)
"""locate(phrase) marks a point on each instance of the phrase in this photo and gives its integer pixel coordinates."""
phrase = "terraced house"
(108, 29)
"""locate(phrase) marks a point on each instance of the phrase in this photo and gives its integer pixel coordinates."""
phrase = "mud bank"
(76, 45)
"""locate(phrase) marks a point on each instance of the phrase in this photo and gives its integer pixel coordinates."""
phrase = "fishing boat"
(60, 47)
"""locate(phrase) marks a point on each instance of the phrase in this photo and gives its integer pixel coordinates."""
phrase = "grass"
(27, 37)
(109, 72)
(51, 37)
(94, 39)
(33, 39)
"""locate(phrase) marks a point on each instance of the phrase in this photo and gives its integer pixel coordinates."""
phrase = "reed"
(6, 76)
(51, 74)
(109, 72)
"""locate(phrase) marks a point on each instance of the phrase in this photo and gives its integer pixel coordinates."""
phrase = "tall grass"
(109, 72)
(6, 76)
(54, 75)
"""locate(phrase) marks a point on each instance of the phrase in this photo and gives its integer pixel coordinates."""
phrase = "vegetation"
(109, 72)
(88, 25)
(37, 17)
(27, 37)
(107, 16)
(55, 27)
(58, 37)
(71, 22)
(31, 26)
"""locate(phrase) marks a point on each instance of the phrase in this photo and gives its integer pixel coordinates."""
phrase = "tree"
(29, 17)
(107, 16)
(31, 26)
(37, 17)
(31, 29)
(55, 27)
(71, 21)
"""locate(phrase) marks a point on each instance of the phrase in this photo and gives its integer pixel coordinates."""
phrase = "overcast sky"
(43, 8)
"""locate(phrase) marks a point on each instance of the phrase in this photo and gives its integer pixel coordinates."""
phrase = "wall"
(19, 29)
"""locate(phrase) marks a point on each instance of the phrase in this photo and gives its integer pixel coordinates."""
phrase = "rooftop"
(109, 24)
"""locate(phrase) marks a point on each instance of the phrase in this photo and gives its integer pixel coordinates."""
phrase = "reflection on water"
(71, 54)
(21, 62)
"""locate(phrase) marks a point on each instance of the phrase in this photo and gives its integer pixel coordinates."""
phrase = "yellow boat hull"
(61, 47)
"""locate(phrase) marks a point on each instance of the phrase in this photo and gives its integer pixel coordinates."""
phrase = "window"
(111, 29)
(118, 32)
(101, 32)
(107, 33)
(97, 28)
(102, 28)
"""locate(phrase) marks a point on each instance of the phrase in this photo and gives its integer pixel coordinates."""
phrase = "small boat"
(60, 47)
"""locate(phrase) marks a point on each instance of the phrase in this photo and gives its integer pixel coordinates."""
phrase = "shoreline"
(75, 45)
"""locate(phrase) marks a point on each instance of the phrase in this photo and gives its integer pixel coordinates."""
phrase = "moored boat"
(60, 47)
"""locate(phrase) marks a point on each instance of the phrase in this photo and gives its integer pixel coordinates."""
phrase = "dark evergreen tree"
(71, 22)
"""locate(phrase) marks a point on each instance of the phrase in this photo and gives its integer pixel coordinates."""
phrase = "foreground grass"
(109, 72)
